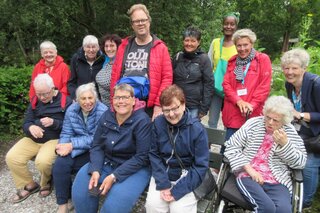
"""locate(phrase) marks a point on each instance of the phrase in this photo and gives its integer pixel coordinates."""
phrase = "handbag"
(312, 144)
(219, 73)
(208, 183)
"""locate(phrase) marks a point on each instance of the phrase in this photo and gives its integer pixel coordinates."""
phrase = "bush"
(14, 84)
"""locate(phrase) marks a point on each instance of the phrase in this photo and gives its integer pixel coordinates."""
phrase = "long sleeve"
(208, 84)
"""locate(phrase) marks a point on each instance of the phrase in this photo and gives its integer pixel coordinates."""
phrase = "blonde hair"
(244, 33)
(139, 7)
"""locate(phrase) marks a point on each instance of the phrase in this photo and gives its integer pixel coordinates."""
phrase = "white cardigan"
(244, 144)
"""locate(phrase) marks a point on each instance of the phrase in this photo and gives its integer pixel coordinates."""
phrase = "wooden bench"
(216, 140)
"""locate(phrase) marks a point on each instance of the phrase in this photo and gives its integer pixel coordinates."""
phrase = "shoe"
(31, 191)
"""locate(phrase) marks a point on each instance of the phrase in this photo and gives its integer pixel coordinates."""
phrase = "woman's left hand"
(107, 184)
(64, 149)
(280, 137)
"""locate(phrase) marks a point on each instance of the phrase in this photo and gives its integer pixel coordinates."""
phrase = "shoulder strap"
(221, 44)
(176, 59)
(171, 140)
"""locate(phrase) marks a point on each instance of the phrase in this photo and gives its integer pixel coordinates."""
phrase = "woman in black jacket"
(85, 64)
(192, 72)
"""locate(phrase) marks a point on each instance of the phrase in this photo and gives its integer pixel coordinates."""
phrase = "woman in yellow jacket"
(221, 50)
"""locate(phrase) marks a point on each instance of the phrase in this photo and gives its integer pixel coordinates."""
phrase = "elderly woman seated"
(263, 152)
(79, 126)
(118, 165)
(176, 131)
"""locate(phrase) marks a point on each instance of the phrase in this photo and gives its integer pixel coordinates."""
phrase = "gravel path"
(33, 204)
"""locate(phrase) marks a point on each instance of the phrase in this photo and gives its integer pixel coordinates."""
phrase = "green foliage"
(312, 46)
(14, 84)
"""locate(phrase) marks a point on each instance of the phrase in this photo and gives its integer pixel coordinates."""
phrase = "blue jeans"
(310, 178)
(267, 198)
(214, 111)
(230, 132)
(194, 112)
(62, 170)
(120, 199)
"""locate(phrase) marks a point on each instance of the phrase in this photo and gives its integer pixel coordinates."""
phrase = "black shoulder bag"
(208, 184)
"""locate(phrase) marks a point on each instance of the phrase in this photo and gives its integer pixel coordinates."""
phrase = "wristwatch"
(301, 116)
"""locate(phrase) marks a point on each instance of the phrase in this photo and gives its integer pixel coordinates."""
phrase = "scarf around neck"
(241, 63)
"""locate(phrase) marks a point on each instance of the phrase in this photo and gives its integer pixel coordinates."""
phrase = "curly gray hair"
(280, 105)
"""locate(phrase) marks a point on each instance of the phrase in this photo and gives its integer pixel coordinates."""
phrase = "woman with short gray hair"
(79, 126)
(301, 89)
(262, 154)
(52, 64)
(85, 64)
(246, 83)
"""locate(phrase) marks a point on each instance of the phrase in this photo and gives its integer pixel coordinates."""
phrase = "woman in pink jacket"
(246, 83)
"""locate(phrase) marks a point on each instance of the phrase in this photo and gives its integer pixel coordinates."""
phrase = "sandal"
(47, 188)
(31, 191)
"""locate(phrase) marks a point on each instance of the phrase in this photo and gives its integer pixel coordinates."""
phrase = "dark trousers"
(265, 198)
(63, 169)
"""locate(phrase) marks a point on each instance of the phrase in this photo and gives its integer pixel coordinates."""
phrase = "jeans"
(230, 132)
(121, 197)
(62, 170)
(194, 112)
(310, 178)
(267, 198)
(214, 111)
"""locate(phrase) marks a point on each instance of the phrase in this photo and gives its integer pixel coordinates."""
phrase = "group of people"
(120, 115)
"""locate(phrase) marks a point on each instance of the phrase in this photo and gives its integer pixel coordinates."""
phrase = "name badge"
(242, 92)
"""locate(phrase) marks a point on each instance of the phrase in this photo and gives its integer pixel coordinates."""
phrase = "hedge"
(14, 84)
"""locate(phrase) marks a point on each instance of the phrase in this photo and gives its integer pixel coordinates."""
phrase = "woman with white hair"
(263, 152)
(52, 64)
(85, 64)
(301, 89)
(246, 83)
(79, 126)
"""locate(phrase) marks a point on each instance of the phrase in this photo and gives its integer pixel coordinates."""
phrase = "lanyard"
(296, 101)
(245, 72)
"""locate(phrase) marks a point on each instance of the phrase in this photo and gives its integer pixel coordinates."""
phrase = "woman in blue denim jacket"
(118, 165)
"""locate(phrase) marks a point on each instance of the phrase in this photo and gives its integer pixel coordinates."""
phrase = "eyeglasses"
(140, 21)
(45, 95)
(124, 98)
(174, 110)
